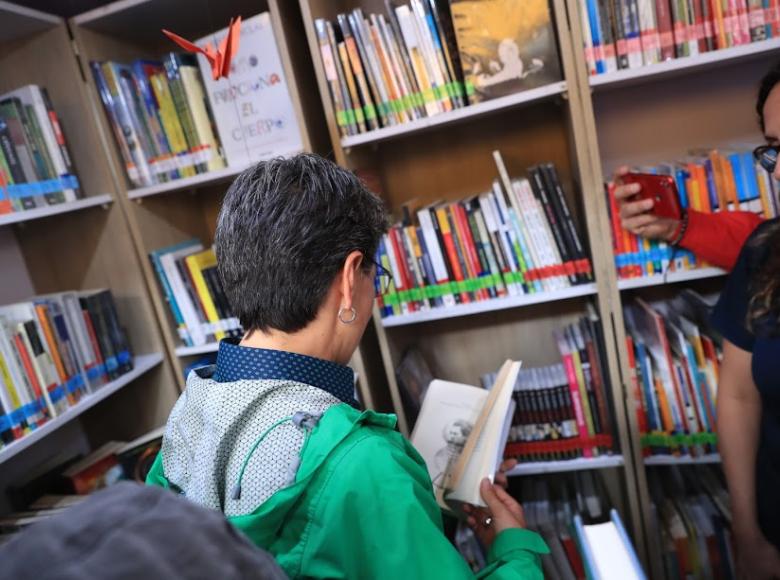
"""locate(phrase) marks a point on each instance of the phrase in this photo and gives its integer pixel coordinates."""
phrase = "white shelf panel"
(50, 210)
(579, 464)
(199, 180)
(183, 351)
(456, 116)
(142, 364)
(18, 21)
(489, 305)
(685, 65)
(670, 278)
(682, 459)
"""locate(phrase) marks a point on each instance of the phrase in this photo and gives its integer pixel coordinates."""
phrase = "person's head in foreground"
(271, 435)
(131, 531)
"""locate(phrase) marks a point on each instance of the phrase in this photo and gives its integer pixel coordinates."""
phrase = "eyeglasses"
(766, 155)
(384, 278)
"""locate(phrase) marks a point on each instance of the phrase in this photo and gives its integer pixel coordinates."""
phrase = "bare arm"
(739, 417)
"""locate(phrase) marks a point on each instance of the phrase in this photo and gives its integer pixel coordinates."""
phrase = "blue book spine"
(680, 175)
(653, 417)
(595, 34)
(711, 189)
(749, 173)
(169, 295)
(739, 178)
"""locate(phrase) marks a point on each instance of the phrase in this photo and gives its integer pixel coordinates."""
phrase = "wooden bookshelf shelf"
(456, 116)
(686, 65)
(201, 180)
(183, 351)
(18, 21)
(682, 460)
(538, 467)
(130, 19)
(42, 212)
(489, 306)
(143, 364)
(670, 278)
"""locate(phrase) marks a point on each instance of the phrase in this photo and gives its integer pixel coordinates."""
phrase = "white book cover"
(252, 108)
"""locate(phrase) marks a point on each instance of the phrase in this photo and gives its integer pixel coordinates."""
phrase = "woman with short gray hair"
(272, 436)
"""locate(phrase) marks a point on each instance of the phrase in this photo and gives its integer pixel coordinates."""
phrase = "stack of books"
(674, 356)
(564, 411)
(626, 34)
(707, 181)
(171, 119)
(36, 168)
(573, 514)
(692, 521)
(429, 57)
(519, 238)
(193, 289)
(54, 350)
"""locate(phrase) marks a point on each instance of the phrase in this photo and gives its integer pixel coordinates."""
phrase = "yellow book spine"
(196, 99)
(195, 264)
(586, 410)
(171, 124)
(663, 403)
(5, 373)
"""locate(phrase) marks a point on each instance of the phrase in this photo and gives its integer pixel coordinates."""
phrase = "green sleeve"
(156, 475)
(376, 517)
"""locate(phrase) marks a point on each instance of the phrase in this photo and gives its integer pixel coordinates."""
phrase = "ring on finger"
(487, 521)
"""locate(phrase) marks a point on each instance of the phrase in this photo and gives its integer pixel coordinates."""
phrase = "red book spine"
(574, 390)
(5, 198)
(400, 258)
(698, 26)
(664, 23)
(30, 371)
(467, 242)
(452, 253)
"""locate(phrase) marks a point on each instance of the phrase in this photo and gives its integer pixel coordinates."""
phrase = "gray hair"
(285, 228)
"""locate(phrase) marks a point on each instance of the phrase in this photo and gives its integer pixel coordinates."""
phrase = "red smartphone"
(661, 189)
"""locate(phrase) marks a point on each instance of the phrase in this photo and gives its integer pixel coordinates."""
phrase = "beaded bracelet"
(681, 229)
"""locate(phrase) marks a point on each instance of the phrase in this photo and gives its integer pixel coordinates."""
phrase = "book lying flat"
(461, 433)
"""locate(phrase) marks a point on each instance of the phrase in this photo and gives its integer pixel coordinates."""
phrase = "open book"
(461, 433)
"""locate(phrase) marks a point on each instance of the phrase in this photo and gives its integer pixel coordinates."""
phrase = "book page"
(611, 556)
(448, 414)
(489, 445)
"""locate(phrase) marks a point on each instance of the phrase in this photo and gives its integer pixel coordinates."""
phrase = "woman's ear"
(349, 274)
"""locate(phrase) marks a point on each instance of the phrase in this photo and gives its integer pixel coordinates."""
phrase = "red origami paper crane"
(219, 58)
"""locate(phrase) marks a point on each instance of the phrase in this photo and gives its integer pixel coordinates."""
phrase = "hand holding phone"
(659, 188)
(645, 208)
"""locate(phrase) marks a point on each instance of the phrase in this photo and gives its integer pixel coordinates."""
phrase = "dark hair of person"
(765, 295)
(768, 82)
(284, 230)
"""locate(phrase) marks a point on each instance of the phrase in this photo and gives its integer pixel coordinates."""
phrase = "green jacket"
(362, 506)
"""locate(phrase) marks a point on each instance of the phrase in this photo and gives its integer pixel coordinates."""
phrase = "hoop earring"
(351, 320)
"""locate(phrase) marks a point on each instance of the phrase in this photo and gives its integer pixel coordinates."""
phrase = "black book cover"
(91, 304)
(541, 193)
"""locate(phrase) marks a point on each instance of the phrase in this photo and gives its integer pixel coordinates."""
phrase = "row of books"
(171, 119)
(564, 411)
(573, 514)
(54, 350)
(36, 168)
(691, 518)
(193, 289)
(520, 238)
(674, 356)
(707, 181)
(622, 34)
(70, 480)
(432, 56)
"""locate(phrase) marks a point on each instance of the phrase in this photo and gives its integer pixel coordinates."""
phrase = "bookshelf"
(540, 467)
(684, 66)
(142, 364)
(449, 157)
(102, 200)
(705, 101)
(80, 245)
(465, 114)
(164, 214)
